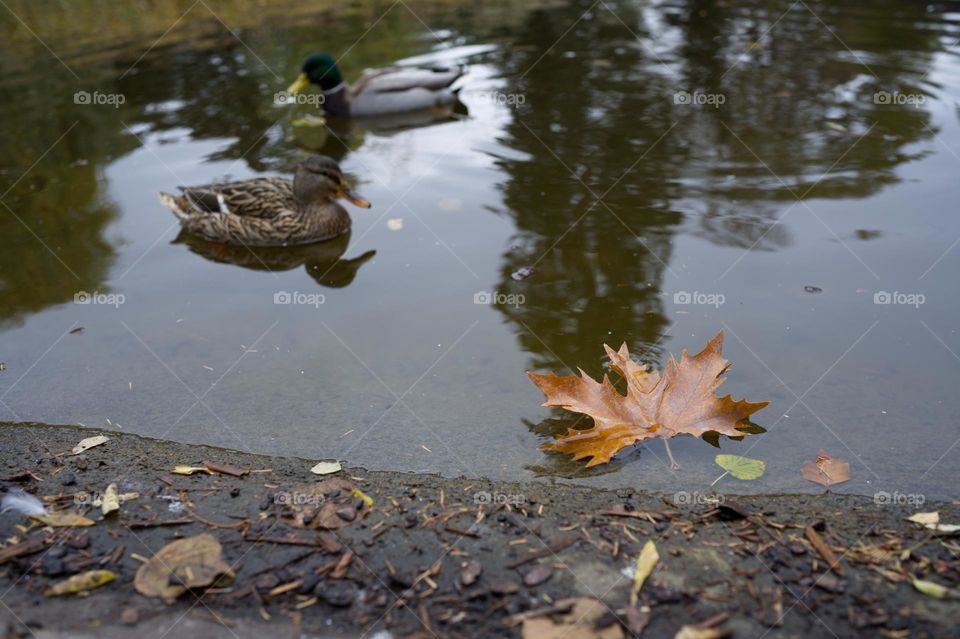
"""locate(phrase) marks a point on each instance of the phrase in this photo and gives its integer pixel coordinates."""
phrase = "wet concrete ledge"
(408, 566)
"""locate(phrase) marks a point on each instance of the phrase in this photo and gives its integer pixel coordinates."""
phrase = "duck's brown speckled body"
(268, 211)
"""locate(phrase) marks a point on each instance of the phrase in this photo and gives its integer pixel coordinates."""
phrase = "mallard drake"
(378, 91)
(269, 211)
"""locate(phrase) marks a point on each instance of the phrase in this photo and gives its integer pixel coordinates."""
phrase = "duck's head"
(318, 178)
(320, 69)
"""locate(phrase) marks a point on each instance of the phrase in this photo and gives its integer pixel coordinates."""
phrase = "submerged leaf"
(682, 401)
(80, 583)
(741, 467)
(826, 470)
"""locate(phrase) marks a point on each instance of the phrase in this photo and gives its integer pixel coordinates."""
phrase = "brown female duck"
(269, 211)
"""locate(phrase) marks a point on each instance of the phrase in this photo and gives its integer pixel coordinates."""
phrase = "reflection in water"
(608, 181)
(602, 119)
(321, 260)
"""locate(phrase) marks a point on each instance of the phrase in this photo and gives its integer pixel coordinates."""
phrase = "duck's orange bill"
(356, 200)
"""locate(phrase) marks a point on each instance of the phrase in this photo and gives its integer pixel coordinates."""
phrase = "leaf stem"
(673, 462)
(719, 478)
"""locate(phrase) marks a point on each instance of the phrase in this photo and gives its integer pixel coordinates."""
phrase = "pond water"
(786, 168)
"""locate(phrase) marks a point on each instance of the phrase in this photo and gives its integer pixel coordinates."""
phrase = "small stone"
(507, 588)
(130, 616)
(52, 566)
(267, 581)
(340, 593)
(347, 513)
(470, 573)
(537, 576)
(68, 479)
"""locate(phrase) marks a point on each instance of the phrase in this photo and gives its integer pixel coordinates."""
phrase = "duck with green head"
(378, 92)
(269, 211)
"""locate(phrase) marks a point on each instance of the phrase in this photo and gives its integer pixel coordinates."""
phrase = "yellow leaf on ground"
(80, 583)
(111, 500)
(88, 443)
(63, 520)
(646, 561)
(930, 588)
(925, 518)
(326, 468)
(190, 470)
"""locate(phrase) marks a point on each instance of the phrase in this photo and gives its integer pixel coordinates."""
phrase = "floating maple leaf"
(682, 401)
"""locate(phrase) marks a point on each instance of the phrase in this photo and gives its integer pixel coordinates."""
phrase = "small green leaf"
(929, 588)
(741, 467)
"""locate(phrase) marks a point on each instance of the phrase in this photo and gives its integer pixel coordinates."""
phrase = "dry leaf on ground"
(80, 583)
(191, 470)
(63, 520)
(682, 401)
(88, 443)
(579, 623)
(826, 470)
(195, 562)
(111, 500)
(646, 562)
(329, 504)
(326, 468)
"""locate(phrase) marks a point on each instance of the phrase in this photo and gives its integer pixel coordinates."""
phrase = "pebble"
(340, 593)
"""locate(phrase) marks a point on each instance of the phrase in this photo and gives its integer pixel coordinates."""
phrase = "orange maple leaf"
(682, 401)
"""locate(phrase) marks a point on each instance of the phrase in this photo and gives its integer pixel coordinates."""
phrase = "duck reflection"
(323, 261)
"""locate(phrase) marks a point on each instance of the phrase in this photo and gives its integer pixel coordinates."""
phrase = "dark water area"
(640, 172)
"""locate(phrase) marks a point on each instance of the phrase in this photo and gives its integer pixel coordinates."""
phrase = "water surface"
(782, 164)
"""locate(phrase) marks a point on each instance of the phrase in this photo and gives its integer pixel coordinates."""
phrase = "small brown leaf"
(225, 469)
(195, 562)
(582, 620)
(329, 504)
(826, 470)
